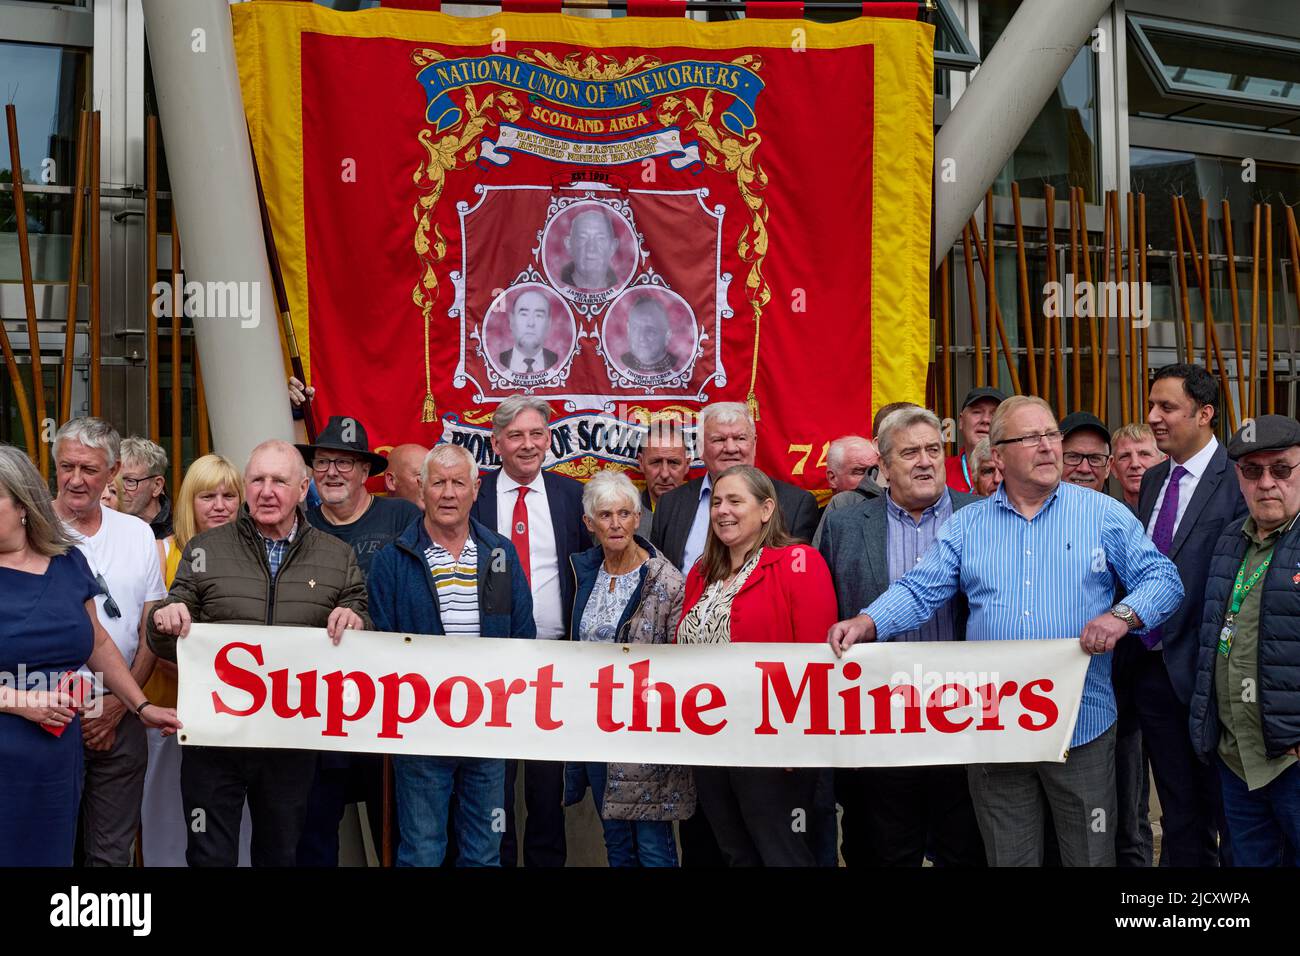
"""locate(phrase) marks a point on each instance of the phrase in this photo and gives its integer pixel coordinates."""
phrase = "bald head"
(402, 477)
(275, 481)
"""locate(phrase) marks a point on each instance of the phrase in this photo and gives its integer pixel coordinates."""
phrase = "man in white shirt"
(1184, 502)
(122, 553)
(541, 513)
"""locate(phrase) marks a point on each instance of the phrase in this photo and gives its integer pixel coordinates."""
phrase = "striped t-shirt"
(457, 584)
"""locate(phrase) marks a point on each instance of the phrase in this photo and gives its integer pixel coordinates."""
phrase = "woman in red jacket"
(752, 584)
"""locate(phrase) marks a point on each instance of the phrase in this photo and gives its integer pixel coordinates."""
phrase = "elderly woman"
(49, 630)
(752, 584)
(629, 594)
(210, 496)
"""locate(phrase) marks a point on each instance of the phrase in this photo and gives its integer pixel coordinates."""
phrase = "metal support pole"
(211, 169)
(1005, 95)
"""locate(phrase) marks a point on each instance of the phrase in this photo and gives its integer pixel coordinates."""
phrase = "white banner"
(749, 705)
(513, 139)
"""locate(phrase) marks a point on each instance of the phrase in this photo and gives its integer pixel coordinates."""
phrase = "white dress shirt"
(543, 561)
(1195, 466)
(699, 527)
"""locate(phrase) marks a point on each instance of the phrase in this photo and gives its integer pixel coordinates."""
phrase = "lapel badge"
(311, 583)
(1295, 578)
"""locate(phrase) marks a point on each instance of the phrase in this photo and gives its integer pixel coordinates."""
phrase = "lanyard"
(965, 473)
(1243, 585)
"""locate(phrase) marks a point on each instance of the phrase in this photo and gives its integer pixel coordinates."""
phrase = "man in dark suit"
(530, 320)
(1185, 503)
(892, 815)
(664, 464)
(541, 513)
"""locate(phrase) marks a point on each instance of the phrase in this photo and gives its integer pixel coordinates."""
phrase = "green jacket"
(224, 578)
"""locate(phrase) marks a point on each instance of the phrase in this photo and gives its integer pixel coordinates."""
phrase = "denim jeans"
(424, 789)
(1264, 824)
(632, 842)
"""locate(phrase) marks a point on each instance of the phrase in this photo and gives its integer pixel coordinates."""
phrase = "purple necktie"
(1162, 536)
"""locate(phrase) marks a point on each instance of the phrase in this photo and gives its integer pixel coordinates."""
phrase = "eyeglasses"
(344, 465)
(1279, 470)
(130, 484)
(110, 606)
(1029, 441)
(1074, 458)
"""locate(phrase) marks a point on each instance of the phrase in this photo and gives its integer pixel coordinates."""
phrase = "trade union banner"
(746, 705)
(629, 217)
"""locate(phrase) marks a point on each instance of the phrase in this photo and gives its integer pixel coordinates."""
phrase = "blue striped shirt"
(1039, 578)
(907, 542)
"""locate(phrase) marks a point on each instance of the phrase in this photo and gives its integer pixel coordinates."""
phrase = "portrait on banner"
(589, 252)
(528, 335)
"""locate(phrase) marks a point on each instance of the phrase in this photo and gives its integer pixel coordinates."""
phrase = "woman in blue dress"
(48, 629)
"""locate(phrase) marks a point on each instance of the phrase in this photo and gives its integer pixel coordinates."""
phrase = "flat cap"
(979, 394)
(1265, 433)
(1084, 420)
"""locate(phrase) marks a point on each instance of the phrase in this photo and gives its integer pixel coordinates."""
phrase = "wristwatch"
(1125, 614)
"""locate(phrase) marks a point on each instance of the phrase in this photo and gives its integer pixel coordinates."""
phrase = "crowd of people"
(1170, 585)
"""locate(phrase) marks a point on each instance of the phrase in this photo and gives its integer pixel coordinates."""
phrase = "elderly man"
(530, 320)
(123, 555)
(591, 245)
(647, 338)
(1025, 559)
(541, 513)
(1085, 451)
(402, 476)
(440, 577)
(892, 815)
(870, 485)
(342, 462)
(1185, 503)
(1245, 711)
(1134, 448)
(973, 423)
(665, 463)
(268, 565)
(848, 461)
(984, 469)
(727, 437)
(144, 464)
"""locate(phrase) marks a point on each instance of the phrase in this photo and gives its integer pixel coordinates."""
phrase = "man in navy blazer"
(1185, 503)
(541, 514)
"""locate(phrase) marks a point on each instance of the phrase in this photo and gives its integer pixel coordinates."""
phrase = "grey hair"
(726, 413)
(997, 427)
(278, 444)
(20, 481)
(981, 453)
(511, 408)
(607, 487)
(93, 433)
(904, 418)
(840, 447)
(142, 450)
(448, 455)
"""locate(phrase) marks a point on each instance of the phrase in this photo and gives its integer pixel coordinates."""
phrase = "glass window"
(47, 86)
(1060, 147)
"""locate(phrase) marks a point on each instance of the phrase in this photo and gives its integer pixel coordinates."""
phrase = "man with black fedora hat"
(1085, 451)
(972, 425)
(341, 462)
(1245, 707)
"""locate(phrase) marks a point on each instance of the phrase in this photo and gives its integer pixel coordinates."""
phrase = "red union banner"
(748, 705)
(628, 217)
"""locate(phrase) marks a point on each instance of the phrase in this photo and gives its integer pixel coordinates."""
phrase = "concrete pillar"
(208, 157)
(1005, 95)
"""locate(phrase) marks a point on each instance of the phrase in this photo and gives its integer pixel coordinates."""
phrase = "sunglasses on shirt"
(110, 606)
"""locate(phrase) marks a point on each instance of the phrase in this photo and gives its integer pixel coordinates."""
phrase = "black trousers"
(761, 816)
(1134, 841)
(1190, 801)
(544, 842)
(214, 783)
(893, 816)
(342, 778)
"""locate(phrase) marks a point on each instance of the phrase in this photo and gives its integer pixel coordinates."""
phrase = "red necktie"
(519, 532)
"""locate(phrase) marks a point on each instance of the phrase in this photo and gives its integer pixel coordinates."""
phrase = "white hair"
(726, 413)
(511, 408)
(278, 444)
(144, 452)
(93, 433)
(607, 488)
(840, 447)
(904, 418)
(448, 455)
(981, 453)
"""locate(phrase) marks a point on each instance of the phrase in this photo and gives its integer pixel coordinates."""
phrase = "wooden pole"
(997, 326)
(42, 457)
(1268, 303)
(1136, 305)
(74, 269)
(1123, 314)
(1103, 311)
(151, 271)
(1252, 407)
(1076, 358)
(986, 264)
(1056, 329)
(1188, 350)
(1201, 262)
(945, 337)
(1022, 272)
(201, 410)
(96, 356)
(1236, 308)
(1093, 342)
(1294, 236)
(1050, 271)
(178, 309)
(976, 338)
(1142, 259)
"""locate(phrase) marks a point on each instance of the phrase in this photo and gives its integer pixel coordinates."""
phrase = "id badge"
(1225, 639)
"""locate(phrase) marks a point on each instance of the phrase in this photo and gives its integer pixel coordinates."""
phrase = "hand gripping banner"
(745, 705)
(630, 217)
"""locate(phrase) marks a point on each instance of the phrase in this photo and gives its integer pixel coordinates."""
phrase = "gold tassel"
(430, 412)
(752, 402)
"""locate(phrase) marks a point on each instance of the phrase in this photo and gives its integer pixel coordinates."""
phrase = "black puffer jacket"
(1278, 685)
